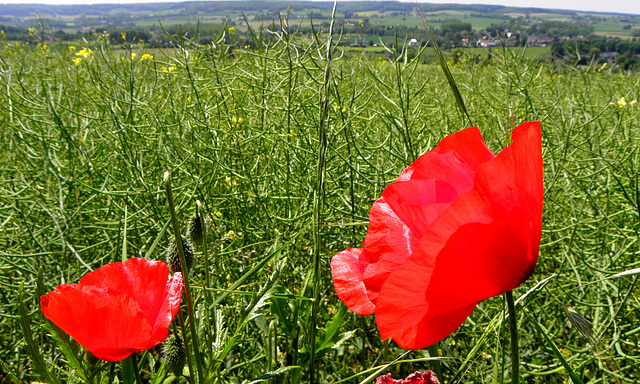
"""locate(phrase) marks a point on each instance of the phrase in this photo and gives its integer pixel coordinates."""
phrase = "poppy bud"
(173, 257)
(196, 227)
(174, 354)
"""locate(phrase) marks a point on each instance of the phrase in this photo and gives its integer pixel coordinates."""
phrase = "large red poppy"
(118, 309)
(459, 225)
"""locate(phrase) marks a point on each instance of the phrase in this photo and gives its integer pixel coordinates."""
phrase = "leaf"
(31, 346)
(625, 273)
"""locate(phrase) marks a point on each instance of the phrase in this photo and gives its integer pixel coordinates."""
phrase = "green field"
(287, 148)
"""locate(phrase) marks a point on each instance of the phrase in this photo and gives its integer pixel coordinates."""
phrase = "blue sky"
(623, 6)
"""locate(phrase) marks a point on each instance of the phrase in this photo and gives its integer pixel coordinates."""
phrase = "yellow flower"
(77, 61)
(169, 69)
(133, 55)
(232, 31)
(31, 31)
(124, 36)
(622, 102)
(291, 133)
(146, 56)
(72, 47)
(85, 52)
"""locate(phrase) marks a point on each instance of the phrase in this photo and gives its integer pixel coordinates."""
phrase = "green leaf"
(31, 347)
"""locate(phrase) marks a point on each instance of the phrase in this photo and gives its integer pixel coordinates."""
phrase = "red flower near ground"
(459, 225)
(427, 377)
(118, 309)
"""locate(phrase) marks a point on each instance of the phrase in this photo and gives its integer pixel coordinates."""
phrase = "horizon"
(631, 7)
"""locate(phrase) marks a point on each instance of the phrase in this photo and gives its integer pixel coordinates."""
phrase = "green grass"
(85, 147)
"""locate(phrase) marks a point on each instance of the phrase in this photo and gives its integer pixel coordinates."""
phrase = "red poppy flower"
(458, 226)
(118, 309)
(427, 377)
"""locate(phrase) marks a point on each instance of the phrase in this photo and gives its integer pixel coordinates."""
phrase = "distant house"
(360, 42)
(486, 43)
(465, 42)
(413, 43)
(541, 40)
(610, 55)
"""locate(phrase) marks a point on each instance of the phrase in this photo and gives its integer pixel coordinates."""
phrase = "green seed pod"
(173, 257)
(198, 226)
(174, 355)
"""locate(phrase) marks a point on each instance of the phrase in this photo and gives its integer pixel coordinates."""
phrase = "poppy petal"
(118, 309)
(463, 257)
(346, 272)
(107, 322)
(129, 276)
(168, 310)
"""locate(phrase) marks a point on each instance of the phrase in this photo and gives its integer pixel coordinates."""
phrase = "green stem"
(435, 364)
(515, 354)
(185, 275)
(319, 198)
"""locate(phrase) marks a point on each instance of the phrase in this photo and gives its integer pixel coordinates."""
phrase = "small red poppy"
(427, 377)
(118, 309)
(459, 225)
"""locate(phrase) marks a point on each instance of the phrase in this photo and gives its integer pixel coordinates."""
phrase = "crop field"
(107, 150)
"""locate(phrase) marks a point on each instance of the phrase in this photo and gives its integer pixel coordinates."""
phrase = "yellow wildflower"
(72, 47)
(124, 36)
(232, 31)
(31, 31)
(146, 56)
(85, 52)
(133, 55)
(622, 102)
(77, 60)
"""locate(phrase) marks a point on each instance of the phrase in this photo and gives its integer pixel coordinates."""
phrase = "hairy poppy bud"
(173, 352)
(197, 227)
(173, 258)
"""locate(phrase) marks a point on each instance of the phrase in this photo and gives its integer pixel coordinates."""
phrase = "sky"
(621, 6)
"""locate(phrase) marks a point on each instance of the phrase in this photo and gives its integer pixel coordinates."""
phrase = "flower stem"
(185, 274)
(435, 364)
(515, 355)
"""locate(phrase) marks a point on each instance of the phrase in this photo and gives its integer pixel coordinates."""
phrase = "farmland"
(287, 142)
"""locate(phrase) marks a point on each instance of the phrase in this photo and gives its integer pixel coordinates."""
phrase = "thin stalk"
(318, 200)
(136, 372)
(185, 273)
(203, 220)
(435, 364)
(515, 354)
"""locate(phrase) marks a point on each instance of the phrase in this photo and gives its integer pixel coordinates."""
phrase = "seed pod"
(173, 257)
(174, 355)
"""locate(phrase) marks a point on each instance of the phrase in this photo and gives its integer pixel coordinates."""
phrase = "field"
(287, 146)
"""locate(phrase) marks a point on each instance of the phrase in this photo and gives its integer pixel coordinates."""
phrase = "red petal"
(118, 309)
(144, 280)
(346, 272)
(108, 323)
(486, 243)
(408, 206)
(468, 150)
(168, 310)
